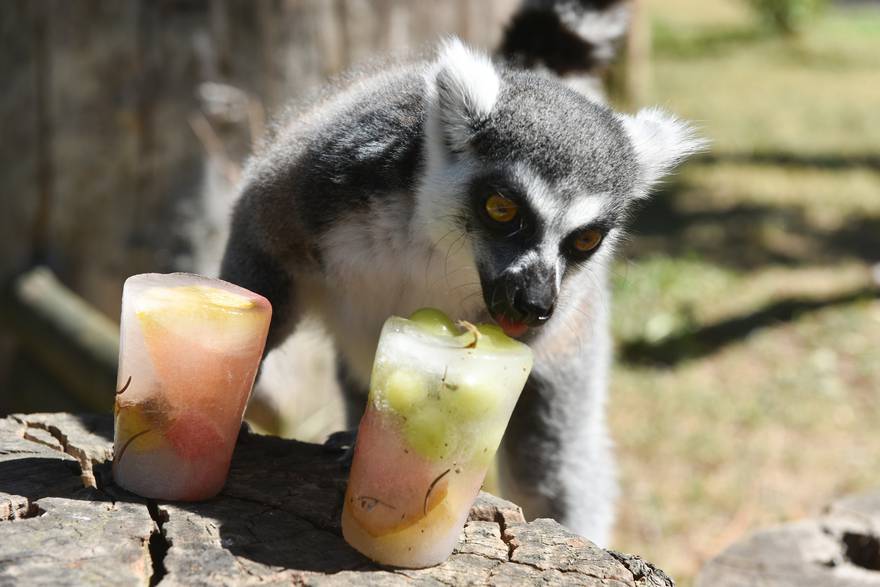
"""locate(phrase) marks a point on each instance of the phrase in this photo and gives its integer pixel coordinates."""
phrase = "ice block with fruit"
(440, 399)
(189, 350)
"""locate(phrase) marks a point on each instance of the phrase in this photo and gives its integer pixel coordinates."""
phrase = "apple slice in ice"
(199, 312)
(202, 338)
(137, 429)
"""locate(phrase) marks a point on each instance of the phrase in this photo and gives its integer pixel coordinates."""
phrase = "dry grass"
(774, 414)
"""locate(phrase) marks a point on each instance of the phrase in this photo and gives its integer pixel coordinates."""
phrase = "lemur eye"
(587, 240)
(501, 209)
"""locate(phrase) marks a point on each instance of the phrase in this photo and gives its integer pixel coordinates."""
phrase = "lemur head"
(537, 176)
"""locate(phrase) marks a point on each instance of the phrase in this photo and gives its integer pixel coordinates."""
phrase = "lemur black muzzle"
(534, 309)
(526, 297)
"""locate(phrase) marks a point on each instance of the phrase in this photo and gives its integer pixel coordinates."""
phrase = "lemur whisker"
(445, 278)
(433, 250)
(599, 288)
(448, 253)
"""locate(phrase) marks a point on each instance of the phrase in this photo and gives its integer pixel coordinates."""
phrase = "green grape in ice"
(428, 432)
(472, 398)
(486, 443)
(434, 321)
(494, 338)
(405, 389)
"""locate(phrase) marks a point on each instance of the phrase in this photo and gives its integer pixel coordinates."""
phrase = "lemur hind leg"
(557, 465)
(354, 394)
(354, 398)
(556, 460)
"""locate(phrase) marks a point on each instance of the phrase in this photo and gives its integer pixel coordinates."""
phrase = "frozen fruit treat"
(189, 351)
(440, 399)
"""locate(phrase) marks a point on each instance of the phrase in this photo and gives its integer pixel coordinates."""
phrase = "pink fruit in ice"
(203, 339)
(193, 436)
(392, 500)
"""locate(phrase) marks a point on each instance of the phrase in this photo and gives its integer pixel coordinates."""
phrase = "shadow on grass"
(709, 42)
(708, 339)
(749, 236)
(826, 161)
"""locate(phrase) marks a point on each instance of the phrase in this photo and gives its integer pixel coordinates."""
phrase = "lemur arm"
(248, 261)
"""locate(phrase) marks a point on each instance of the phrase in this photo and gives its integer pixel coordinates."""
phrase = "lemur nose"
(535, 310)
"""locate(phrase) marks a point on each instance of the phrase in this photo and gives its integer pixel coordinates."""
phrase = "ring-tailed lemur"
(485, 191)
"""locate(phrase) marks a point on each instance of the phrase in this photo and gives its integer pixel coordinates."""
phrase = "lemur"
(486, 190)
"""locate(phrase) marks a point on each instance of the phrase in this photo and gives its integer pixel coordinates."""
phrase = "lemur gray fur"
(371, 202)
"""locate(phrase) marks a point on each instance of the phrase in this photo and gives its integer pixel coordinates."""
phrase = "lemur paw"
(342, 442)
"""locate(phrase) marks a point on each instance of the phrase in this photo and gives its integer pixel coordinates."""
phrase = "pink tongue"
(511, 328)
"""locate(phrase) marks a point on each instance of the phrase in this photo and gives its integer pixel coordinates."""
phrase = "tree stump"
(64, 522)
(839, 549)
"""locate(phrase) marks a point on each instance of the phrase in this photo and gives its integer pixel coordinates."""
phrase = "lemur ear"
(463, 86)
(661, 141)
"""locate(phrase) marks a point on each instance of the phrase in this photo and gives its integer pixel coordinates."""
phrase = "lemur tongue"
(511, 328)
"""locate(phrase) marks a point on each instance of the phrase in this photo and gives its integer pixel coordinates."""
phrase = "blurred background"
(747, 383)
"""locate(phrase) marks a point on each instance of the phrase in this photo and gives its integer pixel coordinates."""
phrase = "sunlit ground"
(747, 389)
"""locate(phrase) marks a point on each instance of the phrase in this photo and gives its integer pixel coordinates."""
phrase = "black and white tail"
(574, 39)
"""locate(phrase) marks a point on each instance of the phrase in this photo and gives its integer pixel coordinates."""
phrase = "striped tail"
(574, 39)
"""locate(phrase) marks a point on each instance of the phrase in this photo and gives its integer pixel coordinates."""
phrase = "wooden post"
(66, 336)
(631, 82)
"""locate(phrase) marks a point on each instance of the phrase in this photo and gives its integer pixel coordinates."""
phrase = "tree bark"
(64, 522)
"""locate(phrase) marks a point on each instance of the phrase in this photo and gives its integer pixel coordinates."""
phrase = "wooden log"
(276, 522)
(841, 548)
(70, 339)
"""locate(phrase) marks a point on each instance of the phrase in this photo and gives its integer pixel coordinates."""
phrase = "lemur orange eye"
(501, 209)
(587, 240)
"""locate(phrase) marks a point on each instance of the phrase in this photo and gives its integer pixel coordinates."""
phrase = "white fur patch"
(661, 142)
(563, 218)
(471, 76)
(601, 28)
(463, 87)
(583, 211)
(376, 265)
(538, 192)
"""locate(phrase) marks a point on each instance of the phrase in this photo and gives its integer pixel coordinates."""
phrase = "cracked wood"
(64, 522)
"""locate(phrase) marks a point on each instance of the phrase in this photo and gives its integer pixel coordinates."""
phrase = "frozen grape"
(494, 338)
(472, 398)
(428, 431)
(434, 321)
(405, 389)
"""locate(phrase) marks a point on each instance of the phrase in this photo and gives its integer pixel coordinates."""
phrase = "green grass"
(747, 390)
(757, 93)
